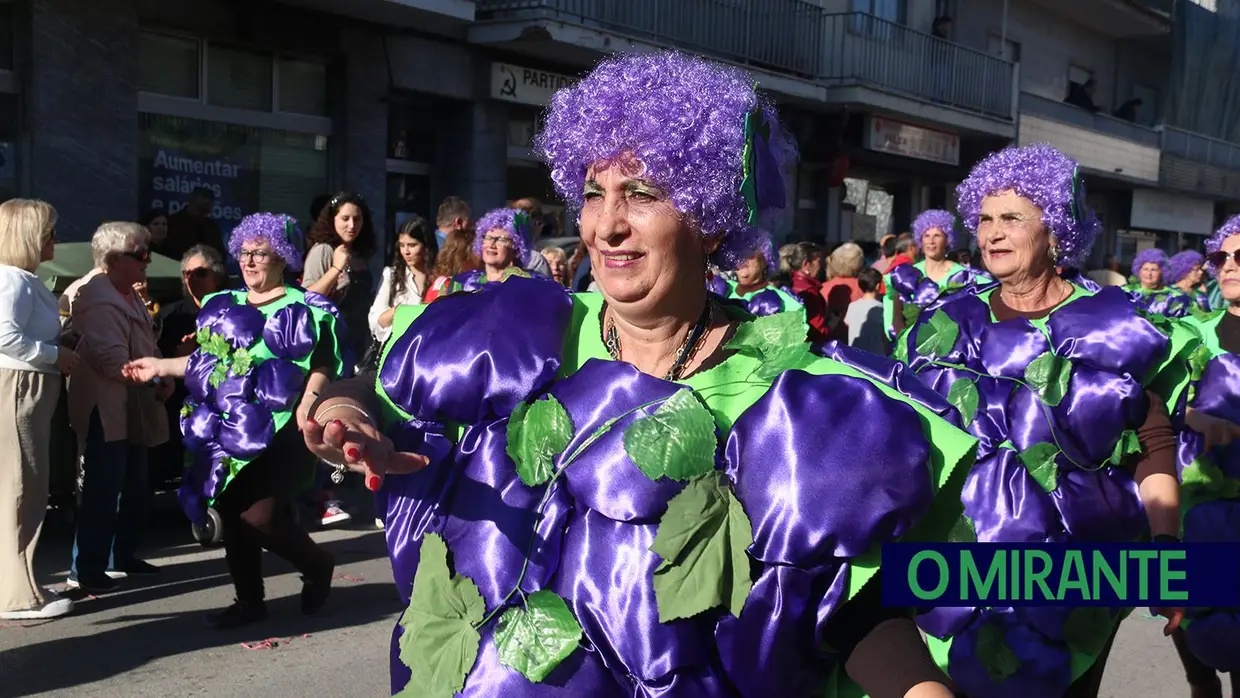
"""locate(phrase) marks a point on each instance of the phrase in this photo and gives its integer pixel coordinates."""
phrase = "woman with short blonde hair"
(841, 288)
(31, 361)
(846, 261)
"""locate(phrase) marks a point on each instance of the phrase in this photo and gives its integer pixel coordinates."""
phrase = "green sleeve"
(403, 318)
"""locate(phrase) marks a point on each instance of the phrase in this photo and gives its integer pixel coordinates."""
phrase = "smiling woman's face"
(1150, 274)
(1013, 240)
(641, 250)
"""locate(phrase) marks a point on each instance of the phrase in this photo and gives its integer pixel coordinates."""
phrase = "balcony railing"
(1091, 121)
(1200, 149)
(797, 38)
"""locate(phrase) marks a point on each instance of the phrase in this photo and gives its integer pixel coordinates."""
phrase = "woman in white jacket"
(406, 276)
(31, 362)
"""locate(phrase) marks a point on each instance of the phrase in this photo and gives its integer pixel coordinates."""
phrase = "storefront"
(248, 125)
(527, 92)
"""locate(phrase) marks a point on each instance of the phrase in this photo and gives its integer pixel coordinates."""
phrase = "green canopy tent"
(74, 260)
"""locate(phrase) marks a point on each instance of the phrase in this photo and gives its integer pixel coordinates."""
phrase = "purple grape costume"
(1055, 403)
(1178, 267)
(1165, 300)
(584, 529)
(247, 374)
(1210, 493)
(909, 282)
(765, 301)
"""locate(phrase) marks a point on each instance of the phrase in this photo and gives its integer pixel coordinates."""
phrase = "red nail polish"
(353, 453)
(372, 483)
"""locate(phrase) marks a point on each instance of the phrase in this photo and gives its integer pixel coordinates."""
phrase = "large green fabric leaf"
(1049, 375)
(1128, 445)
(963, 396)
(778, 342)
(537, 433)
(995, 654)
(702, 539)
(1087, 629)
(677, 441)
(535, 639)
(937, 336)
(439, 643)
(1039, 460)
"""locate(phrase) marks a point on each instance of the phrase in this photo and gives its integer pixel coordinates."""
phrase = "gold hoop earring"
(1054, 252)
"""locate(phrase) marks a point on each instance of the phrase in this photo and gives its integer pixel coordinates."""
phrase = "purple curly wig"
(1179, 265)
(505, 219)
(683, 119)
(1152, 255)
(1214, 243)
(280, 231)
(1044, 176)
(936, 218)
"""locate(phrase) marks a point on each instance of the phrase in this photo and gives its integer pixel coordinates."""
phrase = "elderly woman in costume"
(1210, 466)
(502, 238)
(1151, 269)
(1066, 386)
(263, 354)
(913, 286)
(568, 484)
(753, 288)
(1186, 272)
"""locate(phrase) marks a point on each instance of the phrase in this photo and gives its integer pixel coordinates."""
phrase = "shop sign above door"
(898, 138)
(512, 83)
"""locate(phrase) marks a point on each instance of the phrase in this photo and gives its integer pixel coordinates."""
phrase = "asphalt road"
(150, 639)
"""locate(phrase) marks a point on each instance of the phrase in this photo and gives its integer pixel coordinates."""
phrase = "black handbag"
(370, 360)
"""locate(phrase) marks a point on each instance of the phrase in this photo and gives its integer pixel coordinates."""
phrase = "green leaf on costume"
(963, 396)
(911, 312)
(514, 271)
(535, 639)
(761, 335)
(218, 374)
(1049, 375)
(702, 539)
(241, 362)
(1197, 362)
(1087, 629)
(995, 654)
(1039, 460)
(937, 337)
(1202, 480)
(786, 358)
(537, 433)
(439, 643)
(218, 347)
(677, 441)
(186, 410)
(962, 531)
(202, 336)
(1128, 445)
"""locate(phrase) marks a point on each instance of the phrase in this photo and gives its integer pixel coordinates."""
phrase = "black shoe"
(93, 583)
(238, 614)
(316, 588)
(133, 568)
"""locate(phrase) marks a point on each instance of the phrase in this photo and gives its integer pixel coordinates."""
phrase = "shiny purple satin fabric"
(765, 303)
(718, 286)
(1111, 346)
(810, 507)
(1167, 302)
(1214, 634)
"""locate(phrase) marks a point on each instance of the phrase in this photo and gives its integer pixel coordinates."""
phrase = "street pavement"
(151, 639)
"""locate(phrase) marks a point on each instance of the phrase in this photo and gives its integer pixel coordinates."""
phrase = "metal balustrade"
(1200, 149)
(797, 38)
(1098, 122)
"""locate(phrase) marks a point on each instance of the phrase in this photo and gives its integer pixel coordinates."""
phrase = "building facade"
(113, 108)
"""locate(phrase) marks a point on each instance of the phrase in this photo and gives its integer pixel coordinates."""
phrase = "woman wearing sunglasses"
(115, 420)
(1209, 455)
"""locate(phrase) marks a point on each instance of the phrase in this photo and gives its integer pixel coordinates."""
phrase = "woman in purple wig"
(1185, 273)
(753, 288)
(501, 243)
(263, 354)
(558, 471)
(912, 286)
(1209, 453)
(1151, 270)
(1067, 388)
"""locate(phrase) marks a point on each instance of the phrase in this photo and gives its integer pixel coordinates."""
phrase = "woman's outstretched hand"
(143, 370)
(349, 438)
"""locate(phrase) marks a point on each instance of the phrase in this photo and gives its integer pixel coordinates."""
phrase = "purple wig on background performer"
(513, 221)
(1230, 227)
(935, 218)
(1046, 177)
(1152, 255)
(280, 231)
(1181, 264)
(680, 122)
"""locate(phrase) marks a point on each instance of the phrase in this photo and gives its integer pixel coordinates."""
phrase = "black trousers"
(257, 511)
(1201, 678)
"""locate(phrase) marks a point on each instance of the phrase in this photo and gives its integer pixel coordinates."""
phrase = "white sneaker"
(53, 607)
(334, 514)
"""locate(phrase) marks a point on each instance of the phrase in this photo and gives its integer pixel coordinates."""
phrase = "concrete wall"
(1092, 149)
(82, 111)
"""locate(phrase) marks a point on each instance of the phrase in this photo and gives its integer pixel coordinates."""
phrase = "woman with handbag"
(116, 420)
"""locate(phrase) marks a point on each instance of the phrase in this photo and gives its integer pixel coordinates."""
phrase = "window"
(238, 78)
(413, 129)
(168, 65)
(890, 10)
(303, 86)
(248, 169)
(1006, 49)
